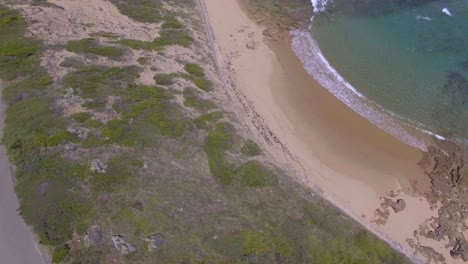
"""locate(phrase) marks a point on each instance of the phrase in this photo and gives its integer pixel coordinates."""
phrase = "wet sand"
(335, 150)
(17, 241)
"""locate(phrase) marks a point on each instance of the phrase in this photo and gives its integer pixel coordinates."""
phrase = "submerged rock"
(98, 166)
(123, 245)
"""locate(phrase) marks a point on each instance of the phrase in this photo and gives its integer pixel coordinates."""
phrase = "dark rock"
(398, 206)
(155, 241)
(123, 245)
(98, 166)
(93, 237)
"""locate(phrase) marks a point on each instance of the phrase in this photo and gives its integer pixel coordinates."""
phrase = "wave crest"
(308, 51)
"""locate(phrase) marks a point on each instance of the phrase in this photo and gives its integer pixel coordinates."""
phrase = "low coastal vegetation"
(110, 170)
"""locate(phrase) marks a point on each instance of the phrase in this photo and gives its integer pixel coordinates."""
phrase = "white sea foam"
(423, 18)
(446, 11)
(319, 5)
(308, 51)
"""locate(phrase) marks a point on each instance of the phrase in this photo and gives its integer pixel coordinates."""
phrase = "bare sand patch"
(334, 150)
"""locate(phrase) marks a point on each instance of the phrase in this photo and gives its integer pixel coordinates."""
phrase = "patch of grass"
(93, 123)
(204, 84)
(29, 123)
(118, 172)
(171, 22)
(254, 174)
(60, 253)
(194, 70)
(149, 113)
(203, 121)
(167, 37)
(72, 63)
(25, 89)
(164, 79)
(256, 243)
(56, 210)
(194, 101)
(92, 46)
(144, 61)
(103, 34)
(250, 148)
(97, 82)
(18, 55)
(141, 10)
(81, 117)
(92, 141)
(218, 141)
(61, 138)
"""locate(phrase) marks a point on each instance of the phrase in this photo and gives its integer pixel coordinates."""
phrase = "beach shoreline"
(18, 243)
(332, 149)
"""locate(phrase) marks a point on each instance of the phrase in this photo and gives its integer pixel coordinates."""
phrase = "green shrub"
(141, 10)
(256, 175)
(97, 82)
(167, 38)
(218, 141)
(60, 253)
(18, 55)
(144, 61)
(81, 117)
(192, 100)
(118, 172)
(203, 121)
(72, 63)
(92, 46)
(164, 79)
(204, 84)
(250, 148)
(103, 34)
(195, 70)
(171, 22)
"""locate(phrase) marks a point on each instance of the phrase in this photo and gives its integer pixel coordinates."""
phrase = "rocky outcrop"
(444, 164)
(155, 242)
(98, 166)
(93, 237)
(122, 245)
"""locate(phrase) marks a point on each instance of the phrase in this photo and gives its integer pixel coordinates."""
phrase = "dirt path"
(17, 241)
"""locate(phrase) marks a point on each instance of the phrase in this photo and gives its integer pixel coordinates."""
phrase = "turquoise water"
(408, 57)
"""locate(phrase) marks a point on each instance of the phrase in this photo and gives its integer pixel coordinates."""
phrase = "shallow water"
(404, 59)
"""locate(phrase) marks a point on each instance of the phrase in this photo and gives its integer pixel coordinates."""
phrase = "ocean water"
(393, 62)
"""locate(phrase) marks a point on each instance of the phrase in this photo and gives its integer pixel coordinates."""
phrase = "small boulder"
(79, 132)
(398, 206)
(250, 45)
(93, 237)
(123, 245)
(98, 166)
(155, 241)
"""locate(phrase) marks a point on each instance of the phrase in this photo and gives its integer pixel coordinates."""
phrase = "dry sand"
(17, 241)
(332, 149)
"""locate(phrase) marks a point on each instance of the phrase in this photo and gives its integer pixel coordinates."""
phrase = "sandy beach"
(17, 243)
(358, 167)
